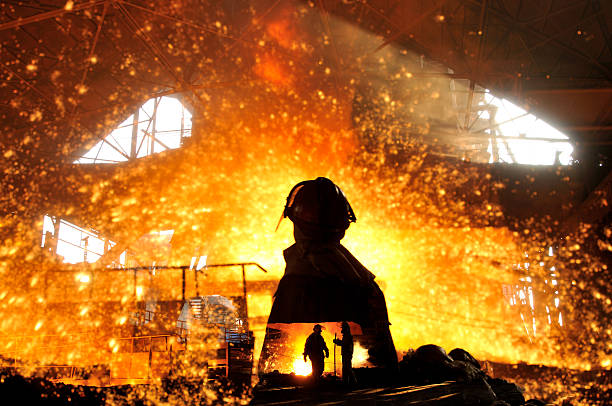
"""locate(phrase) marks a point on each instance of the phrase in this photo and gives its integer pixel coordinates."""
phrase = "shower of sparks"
(266, 105)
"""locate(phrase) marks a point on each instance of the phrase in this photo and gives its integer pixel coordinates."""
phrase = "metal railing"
(183, 268)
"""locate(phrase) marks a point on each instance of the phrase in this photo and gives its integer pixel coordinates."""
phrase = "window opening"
(160, 124)
(73, 244)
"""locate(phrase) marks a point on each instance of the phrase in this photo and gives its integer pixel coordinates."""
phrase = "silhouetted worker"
(314, 349)
(346, 350)
(323, 281)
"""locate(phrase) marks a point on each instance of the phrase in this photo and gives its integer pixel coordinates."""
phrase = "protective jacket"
(346, 346)
(315, 346)
(324, 282)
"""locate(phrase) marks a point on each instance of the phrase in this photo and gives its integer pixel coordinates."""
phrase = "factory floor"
(447, 393)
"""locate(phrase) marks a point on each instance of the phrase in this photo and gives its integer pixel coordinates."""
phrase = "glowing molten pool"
(302, 368)
(360, 356)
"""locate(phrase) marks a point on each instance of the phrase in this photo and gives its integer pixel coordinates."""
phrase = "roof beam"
(405, 29)
(549, 13)
(557, 43)
(604, 90)
(603, 26)
(50, 14)
(586, 128)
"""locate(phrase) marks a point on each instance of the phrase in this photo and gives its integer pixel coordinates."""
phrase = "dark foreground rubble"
(427, 376)
(561, 386)
(34, 390)
(431, 364)
(447, 393)
(512, 384)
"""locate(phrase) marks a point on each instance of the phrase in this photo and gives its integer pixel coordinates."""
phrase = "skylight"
(162, 123)
(72, 243)
(520, 137)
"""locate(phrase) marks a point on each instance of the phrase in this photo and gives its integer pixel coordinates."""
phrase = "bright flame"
(360, 355)
(302, 368)
(83, 278)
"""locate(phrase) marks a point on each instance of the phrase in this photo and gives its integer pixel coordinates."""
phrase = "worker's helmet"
(317, 328)
(319, 203)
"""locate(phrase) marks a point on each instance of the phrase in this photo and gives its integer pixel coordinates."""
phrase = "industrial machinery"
(205, 334)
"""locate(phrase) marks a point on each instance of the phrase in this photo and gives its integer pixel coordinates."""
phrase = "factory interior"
(148, 148)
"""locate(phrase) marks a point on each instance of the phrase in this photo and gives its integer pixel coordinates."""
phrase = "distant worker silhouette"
(346, 350)
(314, 349)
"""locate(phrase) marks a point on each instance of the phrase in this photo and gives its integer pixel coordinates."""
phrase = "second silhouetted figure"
(346, 350)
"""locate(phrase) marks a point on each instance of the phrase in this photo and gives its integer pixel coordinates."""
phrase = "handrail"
(137, 337)
(182, 268)
(45, 335)
(83, 343)
(161, 268)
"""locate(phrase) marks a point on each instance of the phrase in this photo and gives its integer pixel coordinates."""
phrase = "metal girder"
(593, 208)
(92, 49)
(481, 34)
(134, 140)
(586, 128)
(178, 20)
(505, 122)
(603, 25)
(189, 23)
(405, 29)
(50, 14)
(154, 139)
(570, 91)
(549, 13)
(153, 125)
(561, 32)
(155, 50)
(28, 84)
(150, 45)
(521, 26)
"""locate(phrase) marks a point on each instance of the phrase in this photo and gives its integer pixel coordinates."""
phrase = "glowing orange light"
(281, 32)
(302, 368)
(83, 278)
(360, 355)
(271, 70)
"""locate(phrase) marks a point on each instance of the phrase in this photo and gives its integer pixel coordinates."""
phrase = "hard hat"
(319, 203)
(345, 327)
